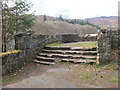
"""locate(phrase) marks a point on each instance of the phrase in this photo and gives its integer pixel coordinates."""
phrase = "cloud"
(76, 8)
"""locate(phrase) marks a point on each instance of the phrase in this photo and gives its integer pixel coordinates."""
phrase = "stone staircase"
(51, 55)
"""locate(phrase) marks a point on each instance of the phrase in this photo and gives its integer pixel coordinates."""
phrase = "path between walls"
(63, 76)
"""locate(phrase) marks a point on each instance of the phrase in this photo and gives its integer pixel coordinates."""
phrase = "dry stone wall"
(31, 45)
(12, 62)
(108, 41)
(87, 38)
(77, 38)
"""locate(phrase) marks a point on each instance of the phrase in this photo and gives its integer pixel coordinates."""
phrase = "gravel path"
(66, 76)
(46, 80)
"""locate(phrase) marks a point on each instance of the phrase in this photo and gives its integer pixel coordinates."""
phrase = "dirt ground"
(62, 75)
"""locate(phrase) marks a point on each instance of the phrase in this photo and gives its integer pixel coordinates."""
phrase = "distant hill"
(57, 25)
(53, 25)
(104, 22)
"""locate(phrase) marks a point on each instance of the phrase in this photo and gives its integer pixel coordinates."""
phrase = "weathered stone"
(10, 61)
(107, 43)
(32, 44)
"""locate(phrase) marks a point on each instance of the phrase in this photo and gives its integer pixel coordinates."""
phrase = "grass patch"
(19, 73)
(75, 44)
(107, 66)
(116, 81)
(14, 77)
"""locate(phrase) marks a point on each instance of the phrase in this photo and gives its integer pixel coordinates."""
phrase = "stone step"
(84, 49)
(69, 52)
(57, 48)
(78, 61)
(71, 48)
(43, 62)
(40, 58)
(67, 56)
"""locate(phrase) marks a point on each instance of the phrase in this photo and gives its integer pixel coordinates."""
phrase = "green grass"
(54, 44)
(17, 74)
(13, 78)
(116, 81)
(75, 44)
(107, 66)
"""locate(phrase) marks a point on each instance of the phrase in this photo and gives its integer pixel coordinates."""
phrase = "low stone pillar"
(107, 43)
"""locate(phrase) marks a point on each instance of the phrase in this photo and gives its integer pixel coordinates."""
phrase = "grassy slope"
(105, 22)
(51, 27)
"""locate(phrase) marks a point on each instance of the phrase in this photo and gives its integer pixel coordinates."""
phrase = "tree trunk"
(4, 34)
(4, 26)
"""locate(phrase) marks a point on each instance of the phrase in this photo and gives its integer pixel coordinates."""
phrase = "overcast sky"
(75, 9)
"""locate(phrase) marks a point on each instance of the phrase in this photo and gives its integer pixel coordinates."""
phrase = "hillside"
(105, 22)
(54, 26)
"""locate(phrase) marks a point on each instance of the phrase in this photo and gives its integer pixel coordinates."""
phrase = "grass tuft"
(107, 66)
(116, 81)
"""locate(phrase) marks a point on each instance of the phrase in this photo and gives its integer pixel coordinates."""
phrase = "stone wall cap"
(23, 34)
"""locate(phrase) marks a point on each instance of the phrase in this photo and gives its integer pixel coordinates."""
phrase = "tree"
(54, 20)
(23, 21)
(66, 21)
(15, 20)
(82, 22)
(4, 24)
(60, 18)
(44, 18)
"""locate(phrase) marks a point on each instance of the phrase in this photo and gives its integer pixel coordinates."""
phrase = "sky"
(75, 9)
